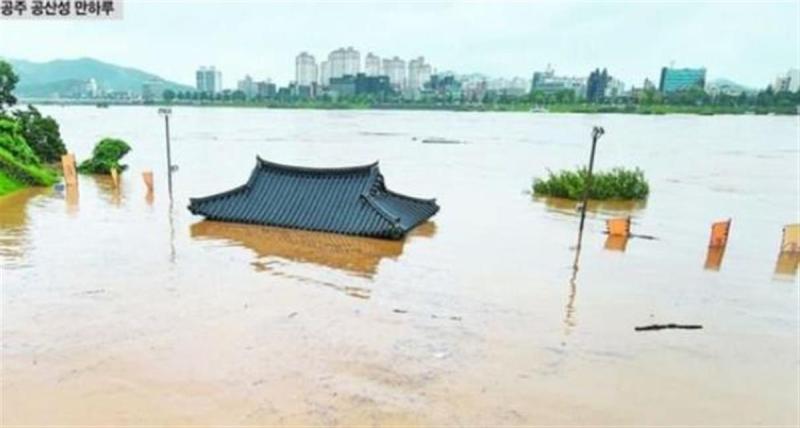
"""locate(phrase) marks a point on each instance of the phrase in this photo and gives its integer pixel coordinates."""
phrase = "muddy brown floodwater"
(118, 310)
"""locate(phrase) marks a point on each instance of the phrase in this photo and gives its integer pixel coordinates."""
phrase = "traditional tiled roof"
(353, 201)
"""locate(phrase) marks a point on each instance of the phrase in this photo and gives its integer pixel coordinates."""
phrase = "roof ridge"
(316, 170)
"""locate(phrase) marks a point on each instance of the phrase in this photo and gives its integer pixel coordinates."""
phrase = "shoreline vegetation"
(519, 107)
(29, 143)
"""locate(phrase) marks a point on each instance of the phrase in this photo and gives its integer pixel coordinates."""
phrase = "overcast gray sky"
(747, 41)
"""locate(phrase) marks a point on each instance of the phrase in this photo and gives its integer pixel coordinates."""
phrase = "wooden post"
(719, 234)
(787, 263)
(70, 173)
(714, 258)
(790, 243)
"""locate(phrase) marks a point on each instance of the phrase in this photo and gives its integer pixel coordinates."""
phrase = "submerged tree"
(41, 133)
(105, 156)
(8, 81)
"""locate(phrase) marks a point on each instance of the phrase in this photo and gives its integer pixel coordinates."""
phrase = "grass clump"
(8, 184)
(619, 183)
(105, 156)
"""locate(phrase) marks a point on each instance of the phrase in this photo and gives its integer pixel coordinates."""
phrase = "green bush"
(41, 133)
(619, 183)
(106, 155)
(14, 143)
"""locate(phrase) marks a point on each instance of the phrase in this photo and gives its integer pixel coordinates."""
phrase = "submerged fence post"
(68, 165)
(719, 234)
(790, 241)
(597, 132)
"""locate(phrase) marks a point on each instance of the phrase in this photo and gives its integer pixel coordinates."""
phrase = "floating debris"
(436, 140)
(669, 326)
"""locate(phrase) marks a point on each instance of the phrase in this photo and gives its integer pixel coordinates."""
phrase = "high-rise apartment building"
(395, 68)
(344, 62)
(305, 69)
(208, 79)
(419, 73)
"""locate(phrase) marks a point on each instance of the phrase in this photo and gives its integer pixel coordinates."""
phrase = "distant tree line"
(639, 100)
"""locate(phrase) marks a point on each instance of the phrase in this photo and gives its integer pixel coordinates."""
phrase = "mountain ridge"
(60, 76)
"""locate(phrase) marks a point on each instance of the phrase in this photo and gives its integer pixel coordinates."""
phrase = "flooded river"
(120, 310)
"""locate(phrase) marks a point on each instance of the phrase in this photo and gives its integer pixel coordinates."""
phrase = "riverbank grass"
(8, 184)
(617, 184)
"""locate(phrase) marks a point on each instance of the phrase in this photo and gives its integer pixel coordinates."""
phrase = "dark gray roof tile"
(353, 201)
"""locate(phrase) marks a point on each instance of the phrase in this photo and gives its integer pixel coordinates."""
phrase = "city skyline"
(749, 43)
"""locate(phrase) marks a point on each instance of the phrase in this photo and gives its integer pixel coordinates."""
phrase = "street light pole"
(597, 132)
(166, 112)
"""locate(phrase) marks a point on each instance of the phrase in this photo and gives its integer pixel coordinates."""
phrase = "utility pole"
(597, 132)
(166, 112)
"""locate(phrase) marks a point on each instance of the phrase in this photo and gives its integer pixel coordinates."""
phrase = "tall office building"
(681, 79)
(419, 73)
(372, 65)
(208, 79)
(596, 85)
(344, 62)
(395, 68)
(305, 69)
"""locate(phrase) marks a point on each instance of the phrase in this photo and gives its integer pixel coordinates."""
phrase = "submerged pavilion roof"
(353, 201)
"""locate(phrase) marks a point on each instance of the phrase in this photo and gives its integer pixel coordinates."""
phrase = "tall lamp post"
(597, 132)
(166, 112)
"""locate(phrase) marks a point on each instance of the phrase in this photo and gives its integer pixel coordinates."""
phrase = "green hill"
(65, 76)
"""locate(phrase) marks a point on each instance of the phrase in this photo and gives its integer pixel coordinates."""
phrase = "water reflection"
(569, 309)
(72, 197)
(616, 243)
(106, 188)
(351, 254)
(14, 222)
(569, 206)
